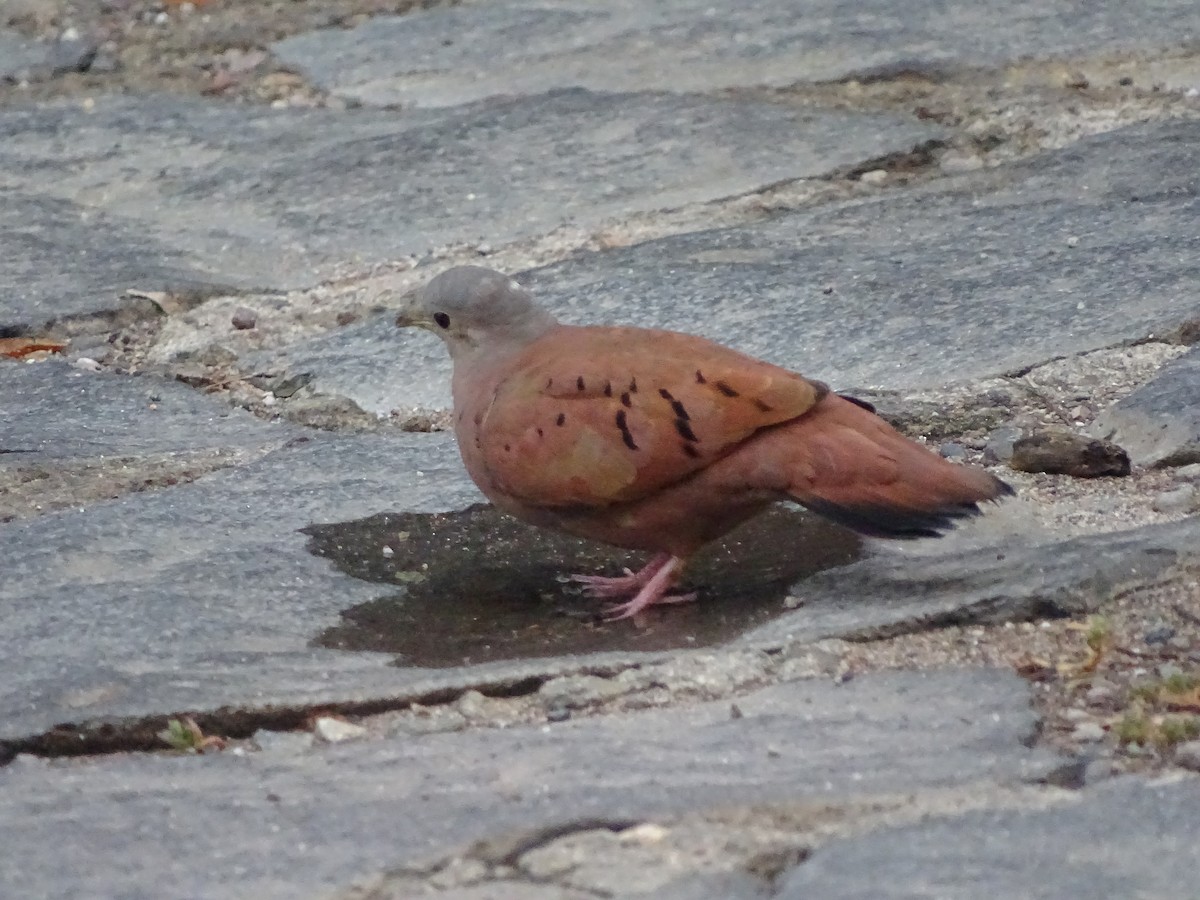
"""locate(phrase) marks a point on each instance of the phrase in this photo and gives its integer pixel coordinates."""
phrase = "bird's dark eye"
(442, 319)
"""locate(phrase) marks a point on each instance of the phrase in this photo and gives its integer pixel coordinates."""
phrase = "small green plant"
(1099, 635)
(1177, 729)
(185, 736)
(1133, 728)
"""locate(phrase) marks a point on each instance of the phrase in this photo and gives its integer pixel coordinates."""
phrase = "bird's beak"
(408, 315)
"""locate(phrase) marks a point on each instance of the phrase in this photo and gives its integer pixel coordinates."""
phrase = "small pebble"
(1066, 453)
(334, 731)
(1160, 634)
(474, 705)
(1188, 755)
(645, 833)
(1088, 732)
(1103, 695)
(951, 450)
(999, 446)
(388, 552)
(1182, 499)
(244, 318)
(1187, 473)
(1072, 241)
(1169, 670)
(87, 364)
(874, 176)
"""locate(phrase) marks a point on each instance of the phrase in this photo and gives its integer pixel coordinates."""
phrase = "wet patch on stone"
(479, 586)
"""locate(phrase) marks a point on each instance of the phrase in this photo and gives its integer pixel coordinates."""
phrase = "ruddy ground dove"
(660, 441)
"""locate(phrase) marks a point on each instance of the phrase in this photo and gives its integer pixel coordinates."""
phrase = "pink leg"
(654, 591)
(630, 583)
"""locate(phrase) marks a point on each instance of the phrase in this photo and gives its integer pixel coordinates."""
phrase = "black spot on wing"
(623, 425)
(685, 431)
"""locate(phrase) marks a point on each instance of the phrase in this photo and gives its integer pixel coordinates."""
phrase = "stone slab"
(203, 595)
(282, 824)
(1159, 423)
(1133, 837)
(63, 258)
(52, 411)
(159, 192)
(1074, 250)
(457, 54)
(1014, 579)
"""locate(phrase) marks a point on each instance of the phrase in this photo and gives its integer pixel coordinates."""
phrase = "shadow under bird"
(660, 441)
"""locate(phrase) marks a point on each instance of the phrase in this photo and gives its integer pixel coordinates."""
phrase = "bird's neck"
(484, 362)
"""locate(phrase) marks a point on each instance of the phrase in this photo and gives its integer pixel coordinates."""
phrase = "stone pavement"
(230, 499)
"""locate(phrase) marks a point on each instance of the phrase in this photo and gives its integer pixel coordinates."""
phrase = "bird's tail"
(849, 465)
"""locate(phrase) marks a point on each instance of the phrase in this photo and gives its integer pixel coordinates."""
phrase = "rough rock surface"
(1160, 423)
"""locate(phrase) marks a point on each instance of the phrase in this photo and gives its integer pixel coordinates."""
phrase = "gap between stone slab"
(787, 834)
(141, 734)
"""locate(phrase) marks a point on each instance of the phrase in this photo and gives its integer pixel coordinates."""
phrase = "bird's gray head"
(470, 307)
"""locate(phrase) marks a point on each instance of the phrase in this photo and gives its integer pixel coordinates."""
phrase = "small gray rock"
(1188, 755)
(952, 450)
(1104, 695)
(1067, 453)
(999, 446)
(1159, 423)
(72, 56)
(1183, 499)
(244, 318)
(1159, 634)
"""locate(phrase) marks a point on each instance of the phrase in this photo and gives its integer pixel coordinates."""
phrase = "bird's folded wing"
(597, 416)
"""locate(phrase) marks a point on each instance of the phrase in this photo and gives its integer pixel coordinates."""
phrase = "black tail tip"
(897, 523)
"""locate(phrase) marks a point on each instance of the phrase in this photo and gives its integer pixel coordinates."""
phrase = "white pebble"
(334, 731)
(1088, 732)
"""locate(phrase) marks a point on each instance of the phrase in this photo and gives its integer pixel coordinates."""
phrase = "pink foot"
(636, 605)
(630, 583)
(649, 586)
